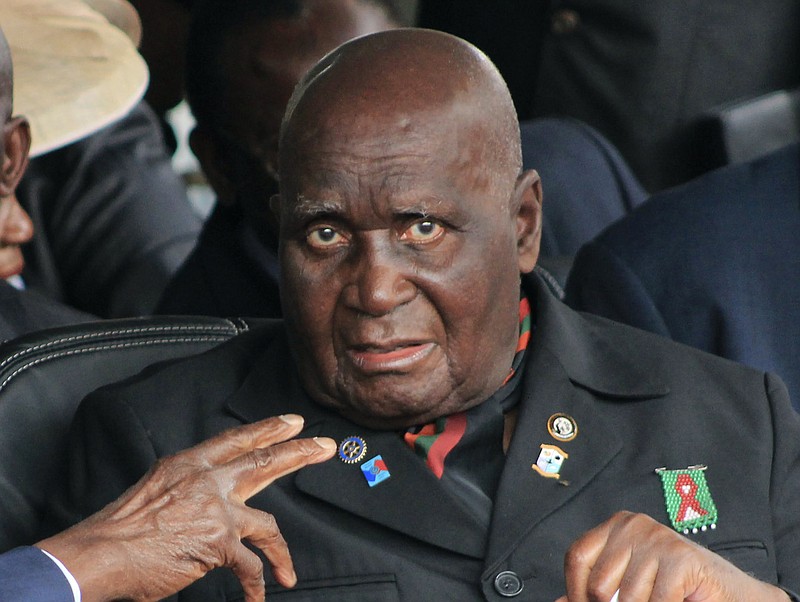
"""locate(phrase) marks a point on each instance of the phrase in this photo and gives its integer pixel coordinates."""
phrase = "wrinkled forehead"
(402, 94)
(381, 145)
(379, 120)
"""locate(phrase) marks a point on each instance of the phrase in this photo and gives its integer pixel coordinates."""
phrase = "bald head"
(405, 224)
(401, 76)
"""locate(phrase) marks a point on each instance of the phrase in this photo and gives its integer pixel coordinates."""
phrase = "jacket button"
(565, 20)
(508, 584)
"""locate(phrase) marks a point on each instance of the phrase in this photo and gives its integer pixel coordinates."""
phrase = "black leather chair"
(744, 130)
(43, 377)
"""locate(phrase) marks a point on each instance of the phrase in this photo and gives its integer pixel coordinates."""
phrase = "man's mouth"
(394, 357)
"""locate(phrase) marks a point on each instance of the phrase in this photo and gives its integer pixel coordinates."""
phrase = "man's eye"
(423, 231)
(324, 238)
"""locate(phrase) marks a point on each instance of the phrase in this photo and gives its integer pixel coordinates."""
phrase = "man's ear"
(214, 163)
(528, 204)
(16, 145)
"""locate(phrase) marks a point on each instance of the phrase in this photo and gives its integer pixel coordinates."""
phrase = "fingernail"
(325, 443)
(292, 419)
(290, 576)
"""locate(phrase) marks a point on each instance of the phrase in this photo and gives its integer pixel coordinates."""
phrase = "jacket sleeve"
(27, 574)
(108, 451)
(601, 283)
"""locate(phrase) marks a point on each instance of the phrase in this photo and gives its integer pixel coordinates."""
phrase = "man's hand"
(646, 560)
(187, 515)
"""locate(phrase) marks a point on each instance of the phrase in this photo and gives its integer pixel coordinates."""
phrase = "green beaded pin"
(689, 503)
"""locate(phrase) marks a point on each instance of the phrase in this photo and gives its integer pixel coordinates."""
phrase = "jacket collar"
(594, 356)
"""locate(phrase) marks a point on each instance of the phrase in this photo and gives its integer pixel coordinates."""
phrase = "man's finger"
(234, 442)
(262, 531)
(580, 560)
(255, 470)
(249, 569)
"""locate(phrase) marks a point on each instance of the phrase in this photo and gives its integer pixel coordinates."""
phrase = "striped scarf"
(432, 442)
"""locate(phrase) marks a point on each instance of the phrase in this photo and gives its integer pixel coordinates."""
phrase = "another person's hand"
(646, 560)
(187, 515)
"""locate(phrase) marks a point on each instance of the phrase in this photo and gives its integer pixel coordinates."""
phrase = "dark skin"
(187, 515)
(405, 224)
(380, 258)
(16, 227)
(263, 62)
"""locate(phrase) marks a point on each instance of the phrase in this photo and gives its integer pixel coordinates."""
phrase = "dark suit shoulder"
(714, 208)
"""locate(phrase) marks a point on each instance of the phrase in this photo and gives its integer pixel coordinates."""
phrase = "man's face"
(400, 266)
(16, 227)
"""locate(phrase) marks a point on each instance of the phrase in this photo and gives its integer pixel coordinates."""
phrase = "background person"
(112, 218)
(243, 61)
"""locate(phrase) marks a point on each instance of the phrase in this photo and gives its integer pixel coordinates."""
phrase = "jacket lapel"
(525, 497)
(411, 501)
(572, 369)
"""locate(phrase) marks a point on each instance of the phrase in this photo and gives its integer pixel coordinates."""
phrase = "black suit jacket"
(640, 402)
(112, 219)
(22, 312)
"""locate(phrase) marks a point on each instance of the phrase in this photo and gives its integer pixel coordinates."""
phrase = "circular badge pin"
(562, 427)
(352, 450)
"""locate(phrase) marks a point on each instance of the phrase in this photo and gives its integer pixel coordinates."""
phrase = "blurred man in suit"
(712, 264)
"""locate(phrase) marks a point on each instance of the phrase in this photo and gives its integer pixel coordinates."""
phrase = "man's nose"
(16, 227)
(382, 281)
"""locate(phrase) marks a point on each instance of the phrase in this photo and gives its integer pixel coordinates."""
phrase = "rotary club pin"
(550, 460)
(375, 471)
(352, 450)
(689, 503)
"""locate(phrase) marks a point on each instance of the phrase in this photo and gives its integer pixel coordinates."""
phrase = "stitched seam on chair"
(121, 331)
(70, 352)
(240, 324)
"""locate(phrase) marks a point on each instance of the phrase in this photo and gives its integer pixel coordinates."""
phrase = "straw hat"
(74, 72)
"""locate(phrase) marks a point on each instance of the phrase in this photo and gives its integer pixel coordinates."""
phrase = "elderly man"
(20, 312)
(484, 433)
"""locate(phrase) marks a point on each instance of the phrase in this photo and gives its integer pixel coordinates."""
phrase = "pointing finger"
(234, 442)
(256, 469)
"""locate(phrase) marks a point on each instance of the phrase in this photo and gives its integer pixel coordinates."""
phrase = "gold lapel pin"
(562, 427)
